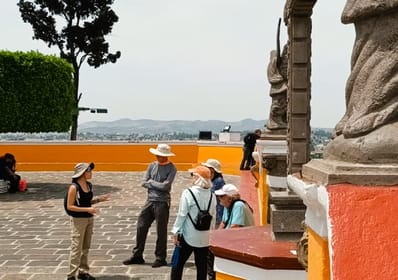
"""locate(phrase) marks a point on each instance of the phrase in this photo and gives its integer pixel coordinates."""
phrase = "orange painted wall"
(62, 156)
(229, 156)
(364, 231)
(223, 276)
(318, 257)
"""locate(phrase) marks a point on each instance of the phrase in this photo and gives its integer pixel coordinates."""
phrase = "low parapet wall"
(117, 156)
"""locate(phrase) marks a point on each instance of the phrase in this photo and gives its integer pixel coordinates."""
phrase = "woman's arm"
(102, 198)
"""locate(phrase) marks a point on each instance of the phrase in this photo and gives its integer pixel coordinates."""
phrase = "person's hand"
(175, 239)
(92, 210)
(105, 197)
(147, 184)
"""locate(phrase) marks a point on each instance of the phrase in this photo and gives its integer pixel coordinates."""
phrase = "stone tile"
(35, 231)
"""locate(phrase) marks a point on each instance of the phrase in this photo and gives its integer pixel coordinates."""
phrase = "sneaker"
(159, 263)
(134, 260)
(85, 276)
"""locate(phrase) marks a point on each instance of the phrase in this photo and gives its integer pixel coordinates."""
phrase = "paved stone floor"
(35, 231)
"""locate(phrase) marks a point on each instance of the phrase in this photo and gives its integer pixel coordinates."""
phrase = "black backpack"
(203, 219)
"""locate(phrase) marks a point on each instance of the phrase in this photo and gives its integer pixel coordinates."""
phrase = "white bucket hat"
(213, 163)
(162, 150)
(227, 189)
(82, 167)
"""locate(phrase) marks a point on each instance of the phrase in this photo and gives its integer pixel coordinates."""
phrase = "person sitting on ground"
(237, 212)
(7, 172)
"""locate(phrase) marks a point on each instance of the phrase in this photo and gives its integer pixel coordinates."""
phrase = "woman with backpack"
(78, 204)
(191, 229)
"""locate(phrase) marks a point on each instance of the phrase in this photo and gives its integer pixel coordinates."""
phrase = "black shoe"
(71, 278)
(159, 263)
(134, 260)
(85, 276)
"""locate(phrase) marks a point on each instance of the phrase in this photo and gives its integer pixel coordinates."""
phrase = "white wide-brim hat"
(82, 167)
(162, 150)
(213, 163)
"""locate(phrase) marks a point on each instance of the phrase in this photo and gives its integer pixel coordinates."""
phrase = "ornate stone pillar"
(351, 194)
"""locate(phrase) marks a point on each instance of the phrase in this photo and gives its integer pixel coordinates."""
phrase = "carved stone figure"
(277, 77)
(368, 131)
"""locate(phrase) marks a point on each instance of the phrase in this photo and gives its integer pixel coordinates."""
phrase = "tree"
(36, 92)
(81, 38)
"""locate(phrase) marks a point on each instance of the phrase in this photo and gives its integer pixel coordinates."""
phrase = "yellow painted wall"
(113, 156)
(318, 257)
(263, 196)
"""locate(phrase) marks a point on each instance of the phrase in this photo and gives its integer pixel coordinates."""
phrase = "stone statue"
(277, 77)
(368, 132)
(278, 92)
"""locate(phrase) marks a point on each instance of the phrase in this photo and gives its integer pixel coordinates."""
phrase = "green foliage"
(36, 93)
(86, 23)
(83, 36)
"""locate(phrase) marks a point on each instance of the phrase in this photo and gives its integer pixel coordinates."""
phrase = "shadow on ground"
(46, 191)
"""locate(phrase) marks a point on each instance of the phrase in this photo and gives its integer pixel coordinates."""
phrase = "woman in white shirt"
(185, 233)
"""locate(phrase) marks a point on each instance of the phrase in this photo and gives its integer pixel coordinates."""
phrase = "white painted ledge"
(245, 271)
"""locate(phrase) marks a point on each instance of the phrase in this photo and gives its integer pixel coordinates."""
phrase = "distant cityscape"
(154, 131)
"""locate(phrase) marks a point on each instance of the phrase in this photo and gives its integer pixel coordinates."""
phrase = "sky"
(200, 60)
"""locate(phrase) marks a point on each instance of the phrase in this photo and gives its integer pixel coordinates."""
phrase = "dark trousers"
(158, 211)
(210, 266)
(247, 159)
(200, 261)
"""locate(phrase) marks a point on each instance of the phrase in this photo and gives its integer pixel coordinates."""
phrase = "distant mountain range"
(147, 126)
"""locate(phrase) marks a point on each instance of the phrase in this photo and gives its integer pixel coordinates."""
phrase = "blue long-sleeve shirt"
(218, 183)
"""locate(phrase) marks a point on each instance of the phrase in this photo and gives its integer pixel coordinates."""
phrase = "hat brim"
(157, 153)
(77, 175)
(219, 192)
(209, 166)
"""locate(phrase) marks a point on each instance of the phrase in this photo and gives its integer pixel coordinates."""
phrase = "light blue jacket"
(183, 225)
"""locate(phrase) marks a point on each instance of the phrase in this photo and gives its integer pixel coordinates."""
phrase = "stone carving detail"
(275, 164)
(277, 77)
(364, 132)
(371, 92)
(302, 248)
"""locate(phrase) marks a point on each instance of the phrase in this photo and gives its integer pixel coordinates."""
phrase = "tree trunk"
(73, 132)
(75, 116)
